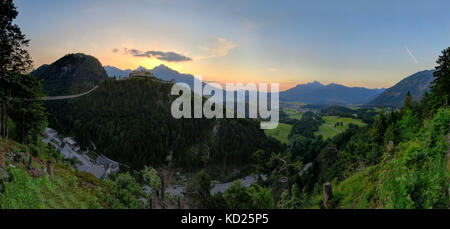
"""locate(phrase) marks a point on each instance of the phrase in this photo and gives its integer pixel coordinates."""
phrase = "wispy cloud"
(164, 56)
(221, 48)
(412, 56)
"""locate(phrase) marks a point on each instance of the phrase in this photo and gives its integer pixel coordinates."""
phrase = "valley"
(360, 122)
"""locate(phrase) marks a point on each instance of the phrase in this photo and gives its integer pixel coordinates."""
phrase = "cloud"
(221, 48)
(412, 56)
(164, 56)
(115, 50)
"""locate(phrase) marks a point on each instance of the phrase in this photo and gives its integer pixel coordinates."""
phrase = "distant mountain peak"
(162, 66)
(73, 73)
(165, 68)
(394, 96)
(142, 68)
(311, 84)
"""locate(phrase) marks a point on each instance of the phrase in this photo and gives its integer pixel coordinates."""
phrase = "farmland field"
(328, 129)
(293, 114)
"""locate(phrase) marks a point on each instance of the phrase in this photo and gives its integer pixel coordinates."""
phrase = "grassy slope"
(68, 188)
(328, 130)
(415, 175)
(281, 133)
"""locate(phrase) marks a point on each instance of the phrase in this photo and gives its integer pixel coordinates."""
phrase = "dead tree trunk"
(150, 202)
(327, 194)
(163, 193)
(49, 168)
(4, 118)
(2, 162)
(390, 147)
(1, 118)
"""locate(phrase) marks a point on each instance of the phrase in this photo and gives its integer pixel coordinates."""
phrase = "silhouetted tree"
(440, 89)
(14, 58)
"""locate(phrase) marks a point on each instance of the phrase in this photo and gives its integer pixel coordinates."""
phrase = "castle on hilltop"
(141, 73)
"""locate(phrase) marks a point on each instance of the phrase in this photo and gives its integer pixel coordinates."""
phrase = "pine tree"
(440, 89)
(407, 104)
(425, 106)
(14, 59)
(379, 128)
(27, 110)
(199, 191)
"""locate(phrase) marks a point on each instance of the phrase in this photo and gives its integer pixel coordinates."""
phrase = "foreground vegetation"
(27, 183)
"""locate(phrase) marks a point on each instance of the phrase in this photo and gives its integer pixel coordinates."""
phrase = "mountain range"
(317, 93)
(75, 73)
(116, 72)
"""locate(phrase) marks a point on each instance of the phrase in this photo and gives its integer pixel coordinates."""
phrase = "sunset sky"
(355, 43)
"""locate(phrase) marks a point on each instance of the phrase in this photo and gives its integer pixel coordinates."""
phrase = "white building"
(73, 144)
(109, 165)
(50, 133)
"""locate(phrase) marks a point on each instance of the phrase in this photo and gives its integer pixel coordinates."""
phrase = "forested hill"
(72, 74)
(417, 84)
(130, 121)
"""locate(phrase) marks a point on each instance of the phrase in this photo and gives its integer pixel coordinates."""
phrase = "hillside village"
(101, 167)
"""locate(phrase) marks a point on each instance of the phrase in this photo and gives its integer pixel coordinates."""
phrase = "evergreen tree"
(440, 89)
(199, 191)
(27, 108)
(425, 106)
(14, 59)
(379, 127)
(408, 103)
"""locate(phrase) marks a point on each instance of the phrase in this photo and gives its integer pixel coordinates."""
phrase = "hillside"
(130, 121)
(72, 74)
(411, 174)
(394, 96)
(317, 93)
(31, 187)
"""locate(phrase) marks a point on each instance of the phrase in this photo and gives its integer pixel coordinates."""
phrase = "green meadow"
(329, 130)
(280, 133)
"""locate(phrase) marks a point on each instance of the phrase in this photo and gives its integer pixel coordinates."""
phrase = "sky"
(363, 43)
